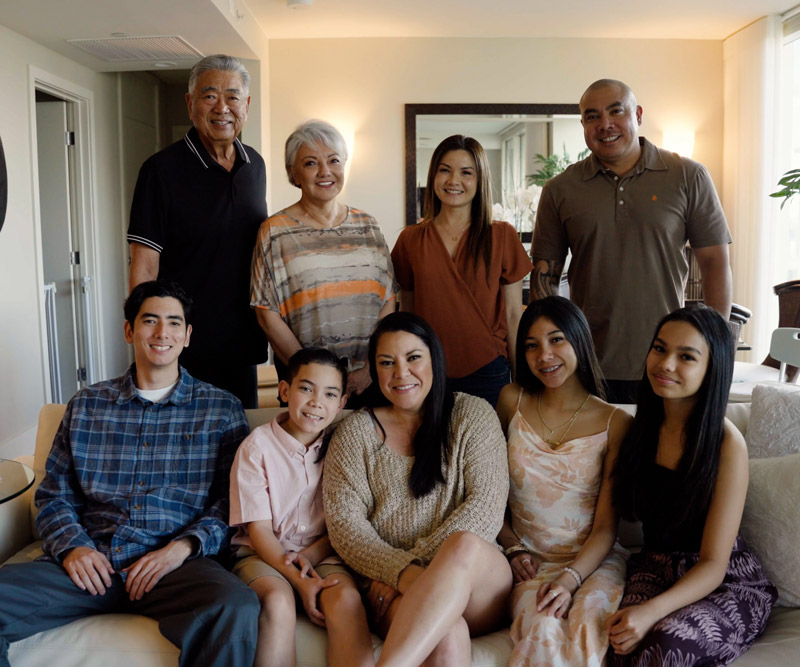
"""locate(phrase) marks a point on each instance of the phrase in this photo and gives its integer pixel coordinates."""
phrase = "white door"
(60, 250)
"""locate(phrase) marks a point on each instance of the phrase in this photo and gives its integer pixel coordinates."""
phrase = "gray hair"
(222, 63)
(313, 133)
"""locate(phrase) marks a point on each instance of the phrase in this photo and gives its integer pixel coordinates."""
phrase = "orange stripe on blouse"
(336, 290)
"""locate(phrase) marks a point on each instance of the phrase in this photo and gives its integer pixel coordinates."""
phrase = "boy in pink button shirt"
(276, 504)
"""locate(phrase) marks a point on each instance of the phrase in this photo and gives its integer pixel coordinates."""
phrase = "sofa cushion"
(770, 522)
(98, 641)
(774, 427)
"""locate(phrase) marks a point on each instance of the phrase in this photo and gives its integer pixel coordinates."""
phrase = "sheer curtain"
(751, 60)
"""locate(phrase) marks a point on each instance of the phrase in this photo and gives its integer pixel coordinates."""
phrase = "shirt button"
(302, 528)
(616, 178)
(137, 507)
(145, 444)
(117, 550)
(621, 188)
(621, 202)
(141, 482)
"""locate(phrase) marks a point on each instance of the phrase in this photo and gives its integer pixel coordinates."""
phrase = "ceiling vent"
(159, 47)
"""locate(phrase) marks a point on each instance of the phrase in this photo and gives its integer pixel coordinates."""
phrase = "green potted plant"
(790, 184)
(552, 165)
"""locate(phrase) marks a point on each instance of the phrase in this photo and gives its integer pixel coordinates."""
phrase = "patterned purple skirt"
(713, 631)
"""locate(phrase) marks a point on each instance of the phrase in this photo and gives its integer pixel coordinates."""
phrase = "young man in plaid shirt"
(134, 500)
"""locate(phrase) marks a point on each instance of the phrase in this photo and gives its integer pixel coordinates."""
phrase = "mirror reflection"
(525, 145)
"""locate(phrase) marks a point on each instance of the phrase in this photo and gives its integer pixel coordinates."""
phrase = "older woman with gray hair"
(321, 272)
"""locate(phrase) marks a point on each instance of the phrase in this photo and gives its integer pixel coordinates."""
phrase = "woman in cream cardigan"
(414, 497)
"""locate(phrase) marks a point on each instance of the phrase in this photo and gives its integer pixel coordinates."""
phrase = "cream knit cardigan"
(374, 522)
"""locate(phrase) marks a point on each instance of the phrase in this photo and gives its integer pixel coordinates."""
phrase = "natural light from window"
(787, 261)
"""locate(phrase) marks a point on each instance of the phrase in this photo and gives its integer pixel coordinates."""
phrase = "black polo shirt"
(203, 220)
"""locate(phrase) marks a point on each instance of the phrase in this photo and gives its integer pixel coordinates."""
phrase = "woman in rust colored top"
(462, 272)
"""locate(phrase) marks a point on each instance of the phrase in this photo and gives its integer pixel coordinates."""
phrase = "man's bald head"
(625, 90)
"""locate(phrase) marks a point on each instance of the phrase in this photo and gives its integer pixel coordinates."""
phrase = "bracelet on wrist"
(514, 549)
(574, 574)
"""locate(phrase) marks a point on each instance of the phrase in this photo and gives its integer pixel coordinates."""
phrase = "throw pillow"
(770, 524)
(774, 427)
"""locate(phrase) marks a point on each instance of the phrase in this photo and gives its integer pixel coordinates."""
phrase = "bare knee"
(341, 599)
(463, 546)
(277, 600)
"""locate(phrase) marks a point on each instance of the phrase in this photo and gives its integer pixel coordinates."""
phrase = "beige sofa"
(132, 641)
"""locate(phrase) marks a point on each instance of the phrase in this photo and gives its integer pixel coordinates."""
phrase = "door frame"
(81, 104)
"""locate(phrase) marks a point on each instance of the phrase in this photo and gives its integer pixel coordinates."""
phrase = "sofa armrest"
(15, 525)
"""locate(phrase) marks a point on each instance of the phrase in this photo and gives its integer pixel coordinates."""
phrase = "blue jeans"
(486, 382)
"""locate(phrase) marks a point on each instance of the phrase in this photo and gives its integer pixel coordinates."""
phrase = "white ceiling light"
(299, 4)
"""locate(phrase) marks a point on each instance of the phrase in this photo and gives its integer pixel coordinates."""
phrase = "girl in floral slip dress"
(560, 538)
(696, 594)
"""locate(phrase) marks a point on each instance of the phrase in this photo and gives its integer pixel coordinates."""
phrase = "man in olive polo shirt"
(625, 212)
(196, 211)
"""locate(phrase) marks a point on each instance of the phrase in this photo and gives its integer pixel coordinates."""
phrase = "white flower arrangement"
(519, 208)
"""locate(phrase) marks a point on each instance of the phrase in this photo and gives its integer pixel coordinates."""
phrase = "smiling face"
(404, 369)
(218, 107)
(315, 396)
(611, 120)
(549, 354)
(319, 172)
(677, 361)
(158, 335)
(456, 179)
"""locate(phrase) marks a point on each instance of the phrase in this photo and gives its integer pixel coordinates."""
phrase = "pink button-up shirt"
(275, 477)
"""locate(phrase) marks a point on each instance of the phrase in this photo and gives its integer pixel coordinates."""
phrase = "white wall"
(361, 85)
(22, 380)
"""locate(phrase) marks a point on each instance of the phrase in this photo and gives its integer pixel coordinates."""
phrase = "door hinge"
(69, 138)
(75, 258)
(81, 374)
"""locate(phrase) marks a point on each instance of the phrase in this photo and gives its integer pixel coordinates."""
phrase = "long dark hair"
(572, 323)
(479, 239)
(703, 431)
(432, 439)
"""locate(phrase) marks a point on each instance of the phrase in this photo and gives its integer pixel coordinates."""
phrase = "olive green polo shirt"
(627, 236)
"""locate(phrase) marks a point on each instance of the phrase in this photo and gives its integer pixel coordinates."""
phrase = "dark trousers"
(207, 612)
(486, 382)
(239, 379)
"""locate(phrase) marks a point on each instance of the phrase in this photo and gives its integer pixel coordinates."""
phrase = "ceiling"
(233, 26)
(676, 19)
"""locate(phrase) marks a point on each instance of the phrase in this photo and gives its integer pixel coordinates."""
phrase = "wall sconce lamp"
(679, 141)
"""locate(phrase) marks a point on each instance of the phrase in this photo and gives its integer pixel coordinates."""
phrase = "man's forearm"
(545, 278)
(715, 275)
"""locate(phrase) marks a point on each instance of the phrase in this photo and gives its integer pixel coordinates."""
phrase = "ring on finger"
(553, 594)
(526, 561)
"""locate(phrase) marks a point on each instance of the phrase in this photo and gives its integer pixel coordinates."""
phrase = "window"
(787, 232)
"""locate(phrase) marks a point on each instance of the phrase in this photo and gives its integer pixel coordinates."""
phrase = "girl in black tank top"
(695, 594)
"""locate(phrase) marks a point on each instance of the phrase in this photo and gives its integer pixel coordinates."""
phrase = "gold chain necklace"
(453, 237)
(549, 439)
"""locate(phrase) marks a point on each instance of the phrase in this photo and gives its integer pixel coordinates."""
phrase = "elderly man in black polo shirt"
(196, 210)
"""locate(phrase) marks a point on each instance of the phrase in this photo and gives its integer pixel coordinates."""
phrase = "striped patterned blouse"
(328, 285)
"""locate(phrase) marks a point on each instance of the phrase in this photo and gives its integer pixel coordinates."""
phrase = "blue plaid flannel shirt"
(126, 476)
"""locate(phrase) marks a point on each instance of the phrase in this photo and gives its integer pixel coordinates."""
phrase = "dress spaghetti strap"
(608, 425)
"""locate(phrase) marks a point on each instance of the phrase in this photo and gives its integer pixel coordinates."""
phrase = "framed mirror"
(511, 134)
